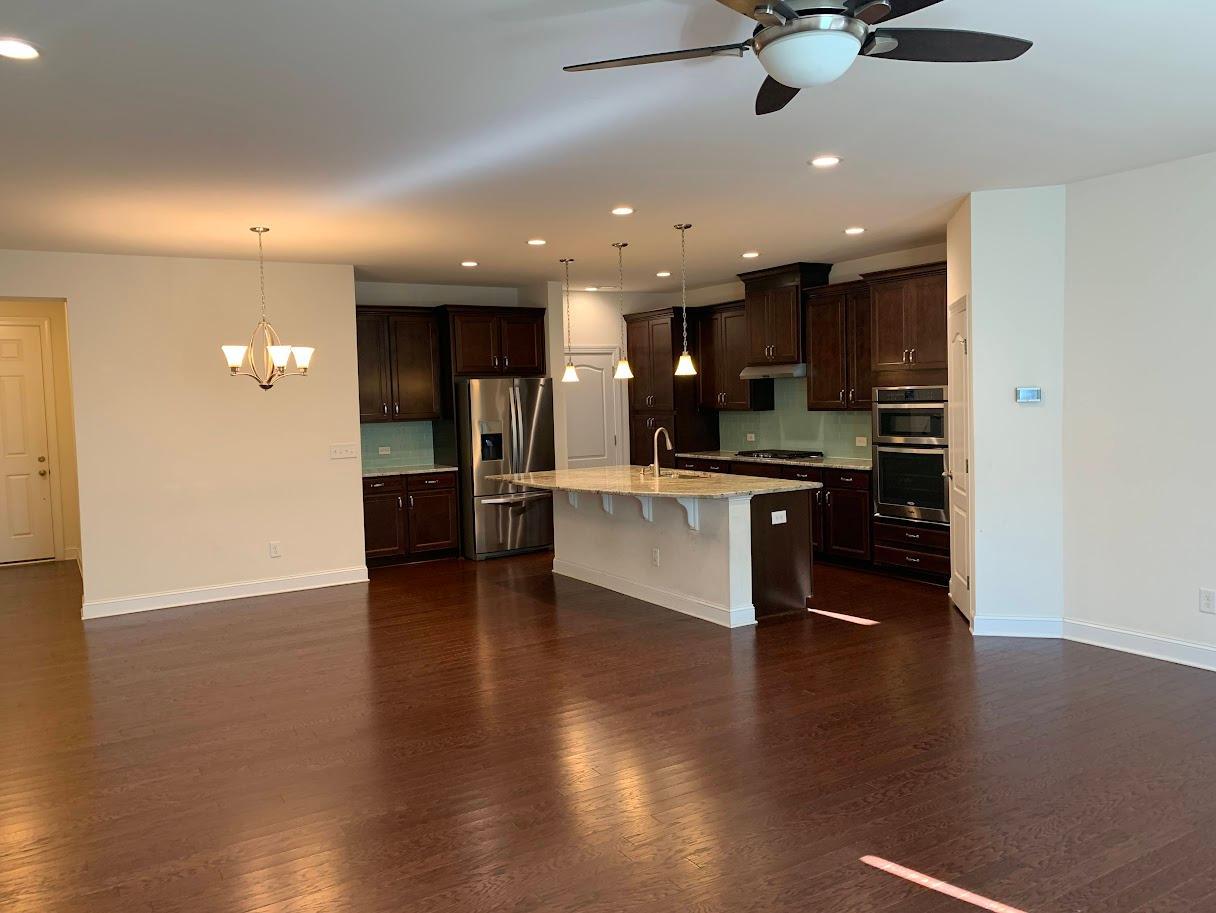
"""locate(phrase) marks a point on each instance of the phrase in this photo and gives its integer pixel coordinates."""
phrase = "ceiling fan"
(802, 48)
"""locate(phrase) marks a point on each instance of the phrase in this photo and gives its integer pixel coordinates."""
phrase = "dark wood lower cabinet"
(914, 547)
(410, 516)
(846, 523)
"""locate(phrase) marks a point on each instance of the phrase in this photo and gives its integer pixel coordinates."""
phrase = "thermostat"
(1022, 395)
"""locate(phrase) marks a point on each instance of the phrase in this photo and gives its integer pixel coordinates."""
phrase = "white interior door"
(593, 434)
(959, 430)
(26, 530)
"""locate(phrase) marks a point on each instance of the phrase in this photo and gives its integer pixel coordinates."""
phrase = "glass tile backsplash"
(411, 444)
(791, 427)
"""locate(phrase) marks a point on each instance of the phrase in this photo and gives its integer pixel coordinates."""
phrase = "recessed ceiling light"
(537, 242)
(592, 288)
(855, 230)
(751, 254)
(663, 275)
(825, 161)
(468, 264)
(623, 211)
(16, 49)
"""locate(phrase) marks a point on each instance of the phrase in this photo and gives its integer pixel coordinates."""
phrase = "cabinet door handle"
(912, 535)
(827, 498)
(905, 356)
(376, 484)
(912, 356)
(911, 559)
(496, 361)
(396, 408)
(411, 502)
(818, 495)
(846, 478)
(398, 502)
(430, 481)
(842, 396)
(852, 394)
(384, 406)
(506, 361)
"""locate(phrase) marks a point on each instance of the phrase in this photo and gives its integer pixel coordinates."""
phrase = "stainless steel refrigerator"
(504, 425)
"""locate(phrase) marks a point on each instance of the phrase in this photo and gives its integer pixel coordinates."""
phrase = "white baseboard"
(104, 608)
(1016, 626)
(1184, 652)
(71, 553)
(719, 615)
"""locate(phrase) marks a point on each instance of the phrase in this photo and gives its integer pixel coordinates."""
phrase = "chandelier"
(266, 356)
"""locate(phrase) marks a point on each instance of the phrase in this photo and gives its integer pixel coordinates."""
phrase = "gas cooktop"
(783, 454)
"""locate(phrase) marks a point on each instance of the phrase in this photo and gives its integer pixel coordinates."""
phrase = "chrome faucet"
(662, 431)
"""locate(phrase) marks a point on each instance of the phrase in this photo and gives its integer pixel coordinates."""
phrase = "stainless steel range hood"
(759, 372)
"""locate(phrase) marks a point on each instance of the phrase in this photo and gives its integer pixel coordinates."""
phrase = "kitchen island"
(724, 548)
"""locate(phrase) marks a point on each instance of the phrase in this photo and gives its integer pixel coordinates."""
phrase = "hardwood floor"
(488, 737)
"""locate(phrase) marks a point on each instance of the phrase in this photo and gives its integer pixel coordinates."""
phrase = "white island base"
(708, 545)
(693, 555)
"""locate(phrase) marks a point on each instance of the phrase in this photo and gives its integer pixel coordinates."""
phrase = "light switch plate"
(1207, 602)
(778, 517)
(343, 451)
(751, 438)
(276, 549)
(861, 442)
(384, 451)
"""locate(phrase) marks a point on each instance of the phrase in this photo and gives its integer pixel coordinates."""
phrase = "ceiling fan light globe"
(803, 60)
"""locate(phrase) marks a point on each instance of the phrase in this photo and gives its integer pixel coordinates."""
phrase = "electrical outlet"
(276, 549)
(861, 441)
(1207, 602)
(654, 557)
(751, 438)
(779, 517)
(343, 451)
(384, 451)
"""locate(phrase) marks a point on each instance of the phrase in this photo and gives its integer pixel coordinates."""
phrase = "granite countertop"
(858, 464)
(629, 480)
(380, 471)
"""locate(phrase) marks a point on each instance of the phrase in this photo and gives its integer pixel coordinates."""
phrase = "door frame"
(962, 446)
(620, 398)
(51, 418)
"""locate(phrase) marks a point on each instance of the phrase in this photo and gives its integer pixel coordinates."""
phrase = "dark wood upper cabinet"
(522, 338)
(651, 344)
(415, 366)
(827, 376)
(497, 341)
(839, 375)
(398, 364)
(372, 352)
(773, 307)
(908, 319)
(723, 337)
(475, 342)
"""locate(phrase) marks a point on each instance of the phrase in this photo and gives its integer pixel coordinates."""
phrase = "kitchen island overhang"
(723, 548)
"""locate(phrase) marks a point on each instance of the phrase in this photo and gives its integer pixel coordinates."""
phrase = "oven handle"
(882, 407)
(944, 451)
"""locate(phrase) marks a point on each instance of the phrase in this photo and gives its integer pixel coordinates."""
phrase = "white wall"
(1139, 433)
(402, 294)
(185, 473)
(1016, 273)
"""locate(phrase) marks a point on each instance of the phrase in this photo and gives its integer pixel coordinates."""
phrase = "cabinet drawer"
(430, 481)
(704, 465)
(763, 470)
(802, 473)
(907, 558)
(926, 538)
(846, 478)
(382, 485)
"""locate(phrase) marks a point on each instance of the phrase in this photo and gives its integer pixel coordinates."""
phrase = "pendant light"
(268, 358)
(684, 367)
(623, 371)
(570, 375)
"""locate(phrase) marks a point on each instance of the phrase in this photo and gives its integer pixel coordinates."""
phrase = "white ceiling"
(406, 136)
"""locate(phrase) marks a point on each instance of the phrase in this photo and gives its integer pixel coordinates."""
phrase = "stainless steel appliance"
(911, 454)
(783, 454)
(910, 415)
(504, 425)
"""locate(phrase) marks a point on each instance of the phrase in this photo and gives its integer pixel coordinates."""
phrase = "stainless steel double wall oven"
(910, 453)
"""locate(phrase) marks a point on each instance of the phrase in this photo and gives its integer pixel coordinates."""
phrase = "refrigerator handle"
(519, 428)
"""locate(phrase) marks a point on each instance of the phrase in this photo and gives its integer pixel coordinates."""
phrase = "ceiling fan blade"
(743, 7)
(719, 50)
(945, 46)
(773, 96)
(874, 11)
